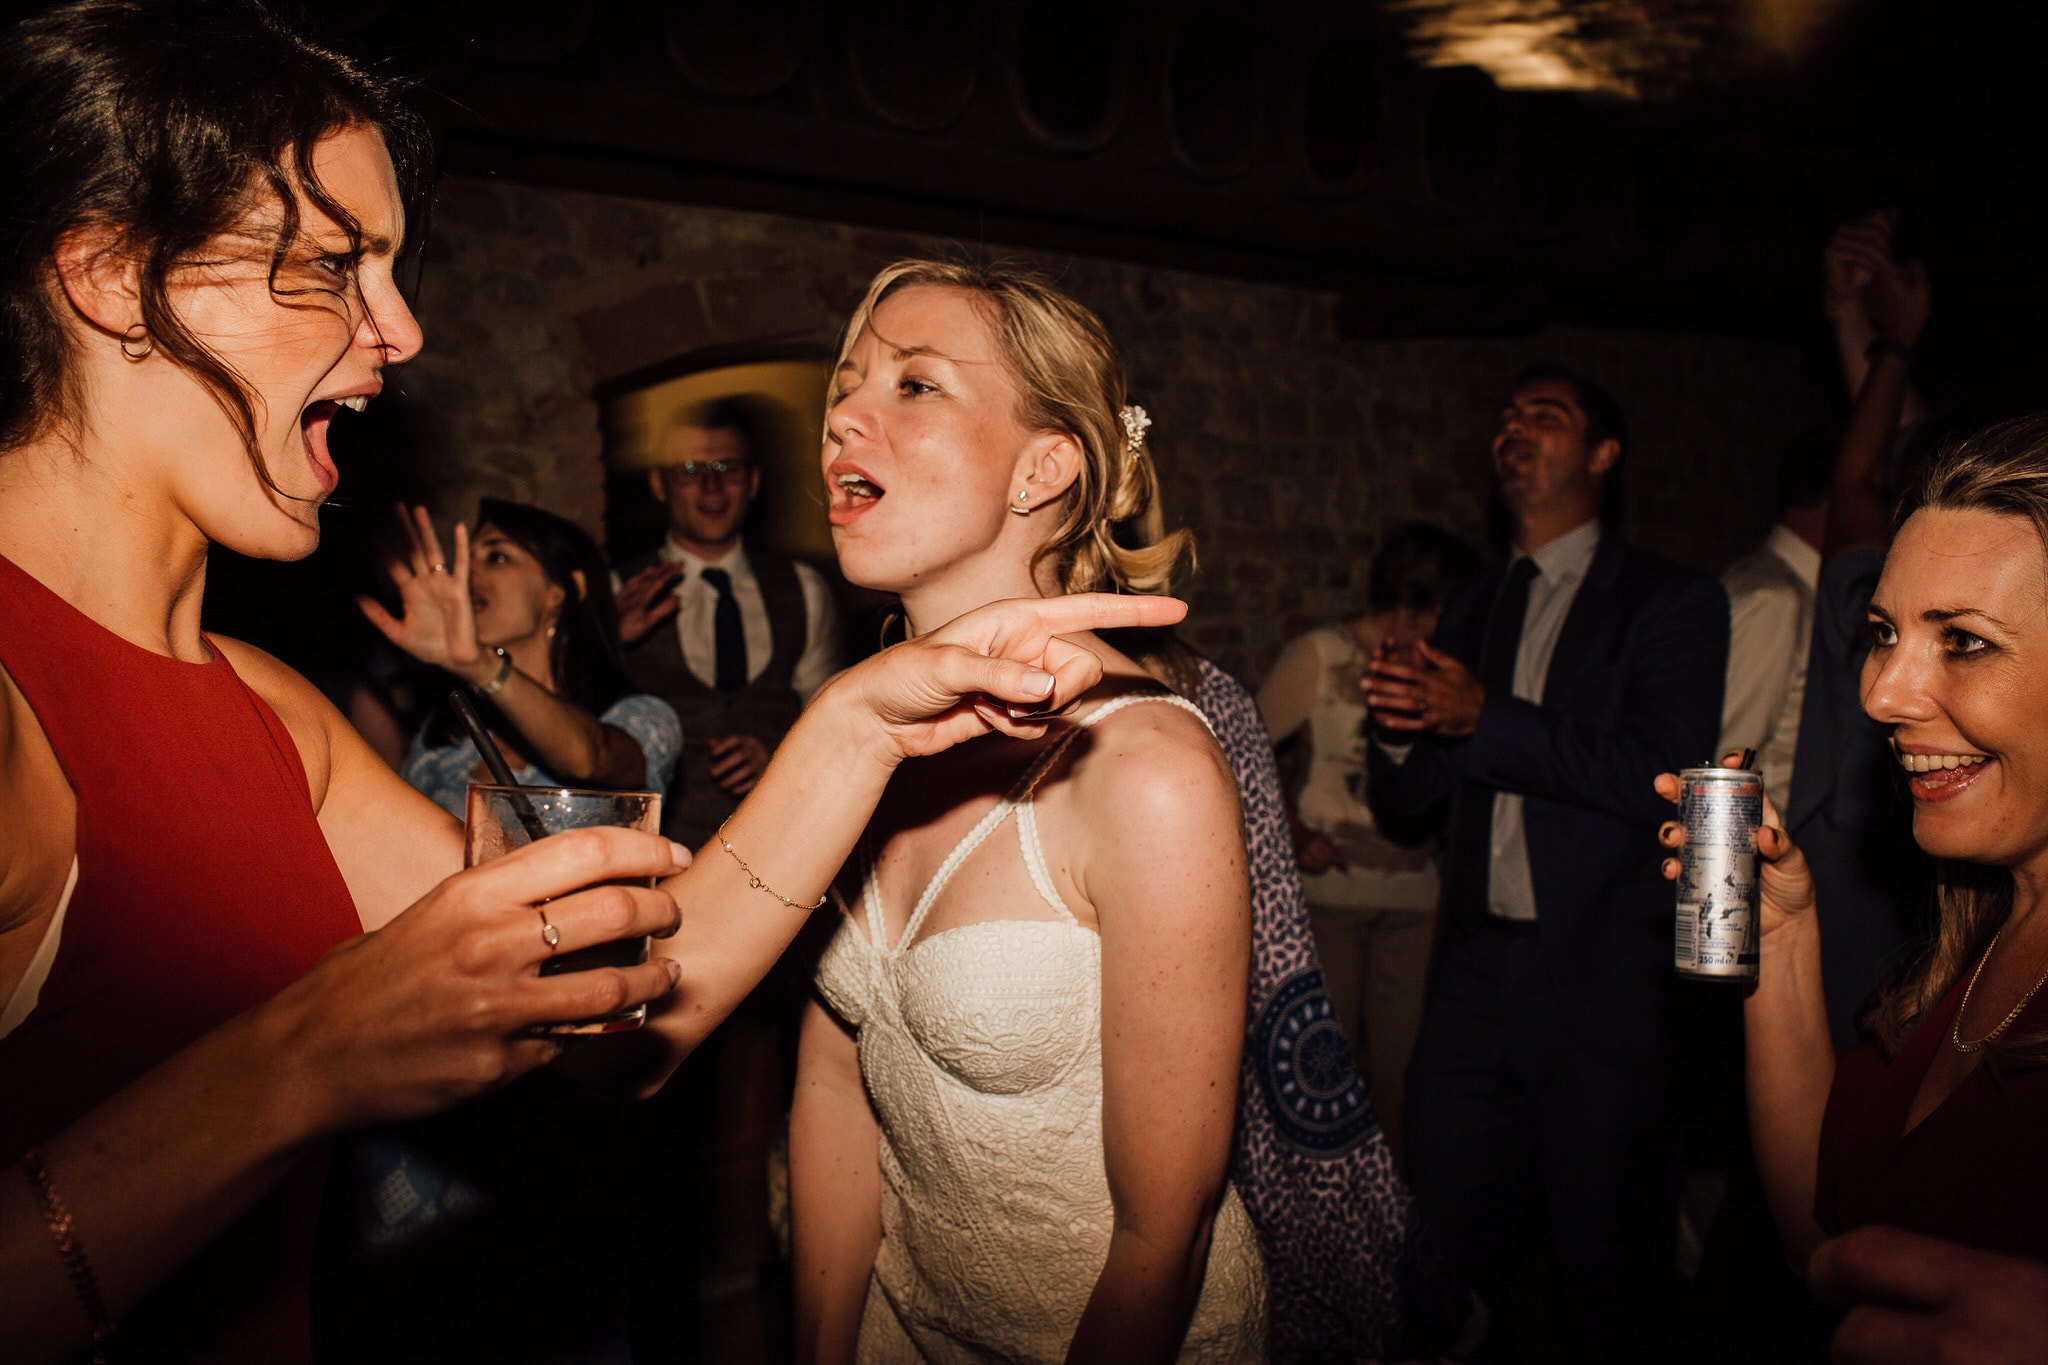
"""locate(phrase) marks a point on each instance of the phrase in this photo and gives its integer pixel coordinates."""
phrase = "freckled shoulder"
(313, 722)
(1153, 762)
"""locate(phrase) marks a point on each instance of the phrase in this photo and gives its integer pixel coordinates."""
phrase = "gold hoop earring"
(137, 332)
(1019, 506)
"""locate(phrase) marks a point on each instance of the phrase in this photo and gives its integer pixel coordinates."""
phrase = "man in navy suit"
(1561, 681)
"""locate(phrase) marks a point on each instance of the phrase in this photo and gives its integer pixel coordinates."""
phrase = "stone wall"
(1285, 448)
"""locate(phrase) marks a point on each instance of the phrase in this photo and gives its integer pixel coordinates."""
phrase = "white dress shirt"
(697, 632)
(1561, 567)
(1770, 629)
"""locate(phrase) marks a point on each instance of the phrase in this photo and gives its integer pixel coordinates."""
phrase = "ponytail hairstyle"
(1110, 536)
(164, 121)
(2002, 469)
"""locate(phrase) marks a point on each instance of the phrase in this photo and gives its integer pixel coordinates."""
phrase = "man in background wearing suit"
(1561, 681)
(736, 639)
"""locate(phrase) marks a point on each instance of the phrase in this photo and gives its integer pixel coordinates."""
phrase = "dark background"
(1322, 258)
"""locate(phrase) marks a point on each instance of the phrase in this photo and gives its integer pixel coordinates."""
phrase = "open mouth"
(313, 425)
(853, 493)
(1940, 776)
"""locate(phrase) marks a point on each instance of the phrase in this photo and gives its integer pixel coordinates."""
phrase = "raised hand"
(438, 623)
(646, 600)
(1784, 879)
(1001, 668)
(1856, 252)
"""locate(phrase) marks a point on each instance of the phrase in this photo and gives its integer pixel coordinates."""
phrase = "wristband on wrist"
(1885, 346)
(497, 682)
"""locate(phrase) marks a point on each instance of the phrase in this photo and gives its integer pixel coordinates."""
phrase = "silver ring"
(437, 568)
(549, 934)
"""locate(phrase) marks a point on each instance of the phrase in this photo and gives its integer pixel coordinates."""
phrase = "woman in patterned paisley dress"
(1016, 1090)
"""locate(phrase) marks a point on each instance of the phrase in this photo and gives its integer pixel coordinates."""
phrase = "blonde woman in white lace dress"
(1015, 1095)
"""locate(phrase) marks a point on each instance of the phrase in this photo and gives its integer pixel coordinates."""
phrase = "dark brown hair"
(584, 654)
(1417, 565)
(1605, 421)
(166, 121)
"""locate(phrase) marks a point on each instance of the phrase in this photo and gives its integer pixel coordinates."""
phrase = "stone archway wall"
(1284, 447)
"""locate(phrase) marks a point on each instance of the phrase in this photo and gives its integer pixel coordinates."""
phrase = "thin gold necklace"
(1955, 1029)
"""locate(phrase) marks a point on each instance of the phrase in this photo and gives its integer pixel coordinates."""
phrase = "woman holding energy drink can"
(1926, 1137)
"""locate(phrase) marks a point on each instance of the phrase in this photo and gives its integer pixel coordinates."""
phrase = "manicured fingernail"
(679, 853)
(1038, 684)
(675, 972)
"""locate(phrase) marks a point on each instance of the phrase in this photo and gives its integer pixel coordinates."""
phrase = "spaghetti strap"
(1017, 799)
(871, 898)
(1028, 842)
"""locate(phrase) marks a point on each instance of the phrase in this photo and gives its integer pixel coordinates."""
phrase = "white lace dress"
(981, 1049)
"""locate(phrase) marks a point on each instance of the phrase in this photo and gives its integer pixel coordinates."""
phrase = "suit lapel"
(1590, 614)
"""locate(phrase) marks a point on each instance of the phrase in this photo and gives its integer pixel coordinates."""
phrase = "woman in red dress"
(1920, 1149)
(227, 930)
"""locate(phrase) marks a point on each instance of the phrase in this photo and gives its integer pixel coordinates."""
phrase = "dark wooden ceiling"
(1289, 140)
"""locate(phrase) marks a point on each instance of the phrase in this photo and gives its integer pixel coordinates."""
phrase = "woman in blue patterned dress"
(434, 1221)
(524, 616)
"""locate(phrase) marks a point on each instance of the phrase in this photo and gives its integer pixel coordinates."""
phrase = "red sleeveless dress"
(204, 887)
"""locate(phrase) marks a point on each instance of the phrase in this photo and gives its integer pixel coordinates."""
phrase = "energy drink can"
(1720, 809)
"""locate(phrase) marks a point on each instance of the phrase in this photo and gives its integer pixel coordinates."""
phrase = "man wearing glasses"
(735, 639)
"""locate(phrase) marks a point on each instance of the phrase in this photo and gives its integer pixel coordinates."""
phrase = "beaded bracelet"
(755, 881)
(497, 681)
(84, 1284)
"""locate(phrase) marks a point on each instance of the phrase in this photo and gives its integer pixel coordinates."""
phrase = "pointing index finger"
(1104, 611)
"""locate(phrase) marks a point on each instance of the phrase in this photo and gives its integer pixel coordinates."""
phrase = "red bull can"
(1720, 809)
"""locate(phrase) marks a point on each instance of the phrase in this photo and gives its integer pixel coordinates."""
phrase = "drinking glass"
(504, 818)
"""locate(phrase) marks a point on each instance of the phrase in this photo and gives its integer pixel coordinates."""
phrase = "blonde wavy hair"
(2002, 469)
(1110, 536)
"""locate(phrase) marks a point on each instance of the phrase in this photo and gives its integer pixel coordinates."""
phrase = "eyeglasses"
(709, 471)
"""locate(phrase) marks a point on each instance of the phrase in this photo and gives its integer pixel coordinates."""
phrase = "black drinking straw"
(494, 759)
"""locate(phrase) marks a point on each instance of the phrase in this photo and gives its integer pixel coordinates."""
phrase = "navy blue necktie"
(1470, 862)
(728, 636)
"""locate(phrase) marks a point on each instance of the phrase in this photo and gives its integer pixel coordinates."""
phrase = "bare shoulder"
(313, 723)
(1154, 825)
(1153, 762)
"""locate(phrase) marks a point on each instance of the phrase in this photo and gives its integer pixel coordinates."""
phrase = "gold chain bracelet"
(84, 1284)
(754, 879)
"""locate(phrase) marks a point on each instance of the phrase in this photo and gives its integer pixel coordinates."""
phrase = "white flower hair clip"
(1136, 422)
